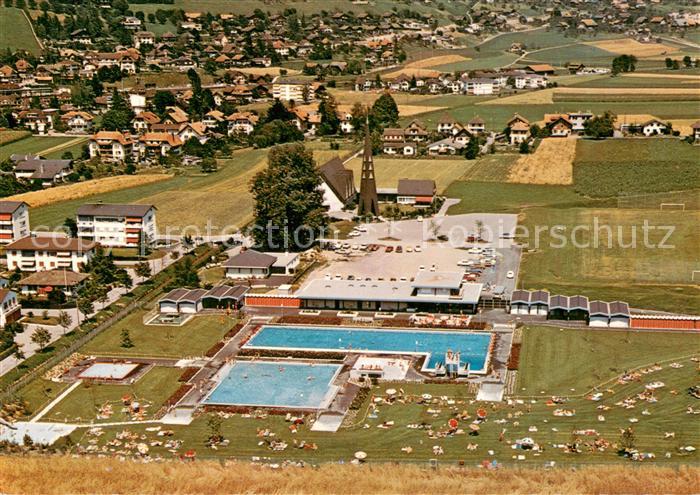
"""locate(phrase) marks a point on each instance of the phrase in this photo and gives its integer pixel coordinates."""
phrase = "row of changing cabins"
(614, 314)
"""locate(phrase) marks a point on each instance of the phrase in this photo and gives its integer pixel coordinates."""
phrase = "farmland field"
(605, 254)
(10, 136)
(578, 52)
(15, 31)
(389, 170)
(634, 47)
(635, 166)
(32, 145)
(551, 163)
(539, 38)
(491, 168)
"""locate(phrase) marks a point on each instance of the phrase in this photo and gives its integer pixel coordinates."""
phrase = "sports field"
(389, 170)
(606, 254)
(15, 31)
(635, 166)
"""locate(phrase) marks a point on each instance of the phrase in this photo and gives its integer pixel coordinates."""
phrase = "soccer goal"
(672, 206)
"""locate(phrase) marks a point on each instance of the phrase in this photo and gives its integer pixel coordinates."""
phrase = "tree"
(143, 269)
(687, 62)
(600, 127)
(524, 147)
(276, 132)
(328, 110)
(214, 423)
(624, 63)
(277, 111)
(627, 439)
(289, 210)
(384, 112)
(64, 320)
(669, 62)
(185, 273)
(71, 226)
(358, 117)
(208, 165)
(41, 337)
(85, 306)
(472, 150)
(162, 100)
(126, 341)
(119, 115)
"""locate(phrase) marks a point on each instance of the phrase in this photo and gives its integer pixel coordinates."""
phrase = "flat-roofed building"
(442, 292)
(14, 221)
(117, 225)
(38, 253)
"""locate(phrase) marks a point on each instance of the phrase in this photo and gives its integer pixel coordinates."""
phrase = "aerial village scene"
(269, 235)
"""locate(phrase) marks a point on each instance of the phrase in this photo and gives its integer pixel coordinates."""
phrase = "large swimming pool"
(473, 347)
(274, 384)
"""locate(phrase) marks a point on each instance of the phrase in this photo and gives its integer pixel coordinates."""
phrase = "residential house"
(156, 144)
(254, 264)
(111, 146)
(695, 131)
(14, 221)
(480, 86)
(291, 89)
(78, 122)
(400, 148)
(142, 38)
(393, 135)
(144, 121)
(415, 131)
(242, 123)
(38, 253)
(44, 282)
(48, 172)
(560, 127)
(213, 118)
(446, 124)
(36, 120)
(10, 309)
(476, 125)
(519, 129)
(653, 127)
(196, 130)
(117, 225)
(447, 146)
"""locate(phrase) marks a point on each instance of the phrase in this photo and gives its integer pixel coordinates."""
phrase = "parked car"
(510, 274)
(399, 249)
(418, 249)
(389, 249)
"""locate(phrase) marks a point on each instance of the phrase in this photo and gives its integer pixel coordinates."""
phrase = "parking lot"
(398, 251)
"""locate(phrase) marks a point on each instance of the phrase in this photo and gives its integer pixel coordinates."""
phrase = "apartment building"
(14, 221)
(38, 253)
(111, 146)
(288, 89)
(115, 225)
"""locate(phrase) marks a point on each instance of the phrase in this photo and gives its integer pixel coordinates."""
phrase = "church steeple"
(369, 203)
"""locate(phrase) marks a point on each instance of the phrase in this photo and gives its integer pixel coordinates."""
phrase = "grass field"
(193, 338)
(602, 355)
(634, 47)
(586, 358)
(635, 166)
(10, 136)
(533, 40)
(84, 403)
(605, 254)
(551, 163)
(491, 168)
(642, 80)
(498, 197)
(576, 52)
(31, 475)
(79, 191)
(15, 31)
(389, 170)
(32, 145)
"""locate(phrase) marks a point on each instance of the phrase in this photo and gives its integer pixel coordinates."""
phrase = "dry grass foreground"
(633, 47)
(429, 62)
(87, 188)
(59, 475)
(627, 91)
(551, 163)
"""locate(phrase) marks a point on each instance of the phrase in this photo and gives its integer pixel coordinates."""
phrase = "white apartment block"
(14, 221)
(115, 225)
(39, 253)
(290, 89)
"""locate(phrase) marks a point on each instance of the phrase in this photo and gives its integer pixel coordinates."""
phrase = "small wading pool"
(275, 384)
(473, 347)
(108, 371)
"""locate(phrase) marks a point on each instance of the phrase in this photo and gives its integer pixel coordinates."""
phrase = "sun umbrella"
(453, 423)
(481, 413)
(391, 391)
(474, 427)
(360, 455)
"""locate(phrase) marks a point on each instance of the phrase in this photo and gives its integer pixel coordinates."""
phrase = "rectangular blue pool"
(275, 384)
(473, 347)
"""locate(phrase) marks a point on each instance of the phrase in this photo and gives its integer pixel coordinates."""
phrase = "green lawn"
(646, 275)
(32, 145)
(533, 40)
(186, 200)
(491, 168)
(584, 359)
(84, 403)
(635, 166)
(497, 197)
(517, 418)
(640, 82)
(39, 393)
(578, 52)
(212, 275)
(16, 32)
(193, 338)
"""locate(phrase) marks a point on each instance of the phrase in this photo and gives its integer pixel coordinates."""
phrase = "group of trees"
(675, 64)
(624, 63)
(600, 126)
